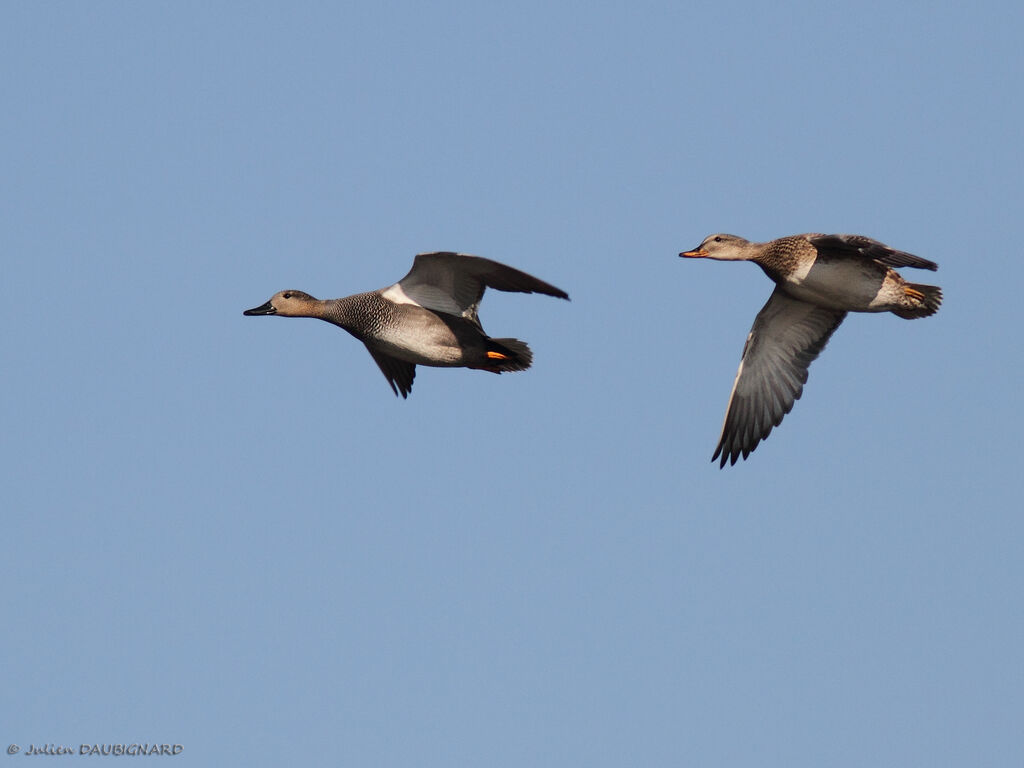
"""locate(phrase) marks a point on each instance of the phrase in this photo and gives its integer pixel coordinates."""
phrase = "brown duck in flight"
(818, 279)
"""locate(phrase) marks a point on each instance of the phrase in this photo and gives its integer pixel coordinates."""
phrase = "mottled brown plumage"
(819, 278)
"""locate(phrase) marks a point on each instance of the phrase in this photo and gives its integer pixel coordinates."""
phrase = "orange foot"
(912, 293)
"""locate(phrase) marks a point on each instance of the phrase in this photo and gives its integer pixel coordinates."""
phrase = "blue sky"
(226, 532)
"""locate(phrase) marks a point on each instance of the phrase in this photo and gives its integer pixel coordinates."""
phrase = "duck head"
(285, 304)
(722, 247)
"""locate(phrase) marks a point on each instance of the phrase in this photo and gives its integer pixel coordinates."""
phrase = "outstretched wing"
(399, 373)
(840, 246)
(454, 283)
(786, 337)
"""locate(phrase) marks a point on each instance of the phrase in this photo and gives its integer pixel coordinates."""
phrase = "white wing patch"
(803, 268)
(395, 294)
(423, 295)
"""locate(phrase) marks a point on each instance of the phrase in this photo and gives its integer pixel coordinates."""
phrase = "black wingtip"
(400, 391)
(725, 457)
(551, 290)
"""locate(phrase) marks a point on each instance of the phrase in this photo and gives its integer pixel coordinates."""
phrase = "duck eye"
(288, 295)
(718, 239)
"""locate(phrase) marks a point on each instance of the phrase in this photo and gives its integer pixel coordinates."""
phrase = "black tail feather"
(518, 356)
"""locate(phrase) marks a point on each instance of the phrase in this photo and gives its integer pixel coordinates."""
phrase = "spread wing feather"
(840, 246)
(454, 283)
(399, 373)
(786, 337)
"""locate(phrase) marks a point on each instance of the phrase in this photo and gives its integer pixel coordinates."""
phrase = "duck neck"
(359, 314)
(775, 262)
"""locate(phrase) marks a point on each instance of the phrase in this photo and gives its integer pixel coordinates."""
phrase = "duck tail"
(922, 301)
(508, 355)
